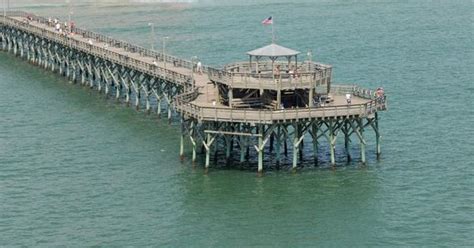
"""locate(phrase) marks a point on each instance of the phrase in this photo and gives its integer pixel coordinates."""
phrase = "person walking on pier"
(57, 26)
(348, 98)
(72, 25)
(199, 67)
(276, 72)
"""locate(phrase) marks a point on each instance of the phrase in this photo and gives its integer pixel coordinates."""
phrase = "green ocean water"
(79, 170)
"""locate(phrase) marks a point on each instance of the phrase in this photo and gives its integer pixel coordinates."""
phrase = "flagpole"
(273, 34)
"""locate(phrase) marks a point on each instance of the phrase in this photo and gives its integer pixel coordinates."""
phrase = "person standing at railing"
(349, 98)
(199, 67)
(57, 26)
(276, 72)
(292, 71)
(72, 26)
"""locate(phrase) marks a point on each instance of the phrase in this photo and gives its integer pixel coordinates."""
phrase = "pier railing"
(136, 64)
(266, 66)
(284, 81)
(184, 104)
(354, 90)
(127, 46)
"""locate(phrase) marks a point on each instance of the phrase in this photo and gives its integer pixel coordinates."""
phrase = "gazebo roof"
(273, 50)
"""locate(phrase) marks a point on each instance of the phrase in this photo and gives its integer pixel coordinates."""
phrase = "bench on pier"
(247, 103)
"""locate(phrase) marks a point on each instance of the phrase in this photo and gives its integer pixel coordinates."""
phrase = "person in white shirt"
(348, 98)
(199, 67)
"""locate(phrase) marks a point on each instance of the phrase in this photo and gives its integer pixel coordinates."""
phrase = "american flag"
(268, 21)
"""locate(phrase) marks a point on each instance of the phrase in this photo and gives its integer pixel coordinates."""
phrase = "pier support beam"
(260, 148)
(242, 151)
(377, 136)
(208, 145)
(208, 150)
(278, 145)
(295, 144)
(181, 147)
(147, 102)
(314, 135)
(181, 140)
(193, 142)
(158, 108)
(332, 143)
(360, 133)
(346, 130)
(228, 146)
(169, 112)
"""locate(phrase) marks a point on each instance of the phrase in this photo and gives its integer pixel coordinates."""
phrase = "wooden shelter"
(265, 81)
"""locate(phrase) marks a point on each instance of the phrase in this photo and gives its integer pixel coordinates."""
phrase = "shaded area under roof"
(273, 50)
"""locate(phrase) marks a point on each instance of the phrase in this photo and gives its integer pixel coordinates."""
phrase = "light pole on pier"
(69, 20)
(152, 35)
(68, 2)
(4, 10)
(6, 5)
(163, 53)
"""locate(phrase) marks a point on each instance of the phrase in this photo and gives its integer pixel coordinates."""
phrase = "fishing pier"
(269, 104)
